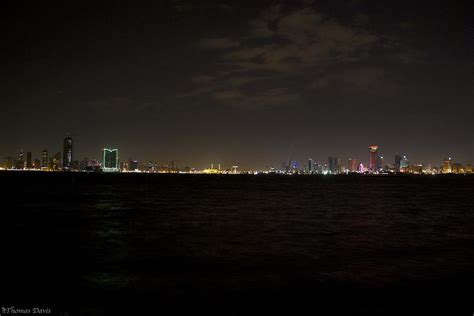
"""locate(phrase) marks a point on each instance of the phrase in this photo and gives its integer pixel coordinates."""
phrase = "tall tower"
(379, 163)
(331, 165)
(67, 153)
(352, 165)
(29, 160)
(20, 163)
(404, 163)
(45, 160)
(398, 160)
(373, 158)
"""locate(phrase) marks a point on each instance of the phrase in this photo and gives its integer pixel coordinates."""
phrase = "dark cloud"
(353, 80)
(217, 43)
(296, 43)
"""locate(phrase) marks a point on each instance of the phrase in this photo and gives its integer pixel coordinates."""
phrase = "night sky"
(235, 82)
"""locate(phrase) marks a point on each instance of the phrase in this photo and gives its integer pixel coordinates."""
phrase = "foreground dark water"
(182, 244)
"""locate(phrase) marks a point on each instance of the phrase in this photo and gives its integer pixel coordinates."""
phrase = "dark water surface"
(236, 245)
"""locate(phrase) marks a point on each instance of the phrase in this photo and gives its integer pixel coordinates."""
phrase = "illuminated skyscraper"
(67, 153)
(373, 158)
(352, 165)
(331, 165)
(44, 161)
(447, 165)
(379, 166)
(110, 161)
(404, 164)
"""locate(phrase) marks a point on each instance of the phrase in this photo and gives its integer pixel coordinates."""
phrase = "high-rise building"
(29, 160)
(133, 165)
(110, 162)
(20, 163)
(404, 164)
(447, 165)
(373, 158)
(398, 160)
(45, 161)
(379, 165)
(352, 165)
(310, 165)
(67, 153)
(331, 165)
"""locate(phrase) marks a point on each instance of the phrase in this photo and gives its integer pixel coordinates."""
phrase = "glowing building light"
(373, 158)
(110, 160)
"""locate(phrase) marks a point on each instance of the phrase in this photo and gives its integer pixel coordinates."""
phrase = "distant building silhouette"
(20, 163)
(29, 160)
(396, 165)
(133, 165)
(333, 163)
(67, 153)
(379, 165)
(310, 166)
(404, 164)
(45, 159)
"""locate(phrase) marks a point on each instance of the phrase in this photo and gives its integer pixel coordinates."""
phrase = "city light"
(377, 165)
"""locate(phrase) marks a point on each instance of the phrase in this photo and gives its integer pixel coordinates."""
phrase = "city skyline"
(109, 161)
(248, 82)
(250, 157)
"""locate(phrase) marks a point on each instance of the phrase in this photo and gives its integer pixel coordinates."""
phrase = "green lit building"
(110, 161)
